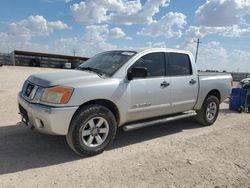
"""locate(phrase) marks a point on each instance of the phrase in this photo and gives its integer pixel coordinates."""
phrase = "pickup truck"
(121, 88)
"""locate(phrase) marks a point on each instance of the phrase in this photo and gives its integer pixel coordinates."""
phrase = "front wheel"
(209, 111)
(92, 129)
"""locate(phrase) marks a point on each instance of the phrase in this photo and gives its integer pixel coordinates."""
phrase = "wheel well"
(215, 93)
(108, 104)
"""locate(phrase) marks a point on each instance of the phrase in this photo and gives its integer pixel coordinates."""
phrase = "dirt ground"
(178, 154)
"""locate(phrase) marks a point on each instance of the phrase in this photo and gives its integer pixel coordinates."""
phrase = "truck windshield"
(107, 63)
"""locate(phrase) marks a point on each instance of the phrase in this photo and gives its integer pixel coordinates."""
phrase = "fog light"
(39, 123)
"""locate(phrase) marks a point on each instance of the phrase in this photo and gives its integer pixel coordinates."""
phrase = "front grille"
(29, 90)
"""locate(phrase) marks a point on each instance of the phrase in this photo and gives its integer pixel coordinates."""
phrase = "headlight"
(58, 94)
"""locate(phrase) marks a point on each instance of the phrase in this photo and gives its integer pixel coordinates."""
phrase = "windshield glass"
(107, 62)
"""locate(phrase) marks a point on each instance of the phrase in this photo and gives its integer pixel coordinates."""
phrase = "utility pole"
(74, 52)
(197, 49)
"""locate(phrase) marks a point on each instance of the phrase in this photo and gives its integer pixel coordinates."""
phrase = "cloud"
(35, 26)
(156, 45)
(116, 33)
(55, 1)
(222, 13)
(129, 38)
(144, 15)
(226, 18)
(213, 56)
(194, 32)
(116, 11)
(102, 33)
(92, 42)
(168, 26)
(19, 34)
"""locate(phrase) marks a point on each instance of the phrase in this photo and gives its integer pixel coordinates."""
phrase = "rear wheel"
(240, 109)
(92, 129)
(209, 111)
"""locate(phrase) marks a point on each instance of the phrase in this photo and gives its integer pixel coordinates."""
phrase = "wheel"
(240, 109)
(92, 129)
(209, 111)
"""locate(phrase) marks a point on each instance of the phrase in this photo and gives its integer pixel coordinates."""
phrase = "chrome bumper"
(45, 119)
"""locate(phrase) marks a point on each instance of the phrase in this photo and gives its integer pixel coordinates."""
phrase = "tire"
(209, 111)
(240, 109)
(92, 130)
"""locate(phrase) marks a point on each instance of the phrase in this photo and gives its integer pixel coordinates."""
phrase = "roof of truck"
(138, 50)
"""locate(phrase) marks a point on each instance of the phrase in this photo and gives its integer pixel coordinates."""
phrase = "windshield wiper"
(95, 70)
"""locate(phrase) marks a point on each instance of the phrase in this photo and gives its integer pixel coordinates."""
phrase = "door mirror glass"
(137, 72)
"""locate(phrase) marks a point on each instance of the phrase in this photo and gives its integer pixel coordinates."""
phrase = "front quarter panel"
(113, 90)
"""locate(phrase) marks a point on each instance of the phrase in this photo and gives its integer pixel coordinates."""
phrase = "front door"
(150, 96)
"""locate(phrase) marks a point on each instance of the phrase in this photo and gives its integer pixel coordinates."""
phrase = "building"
(36, 59)
(4, 59)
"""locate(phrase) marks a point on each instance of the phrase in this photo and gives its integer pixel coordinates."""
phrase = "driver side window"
(153, 62)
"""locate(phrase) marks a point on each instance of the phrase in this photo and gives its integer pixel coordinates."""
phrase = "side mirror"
(137, 72)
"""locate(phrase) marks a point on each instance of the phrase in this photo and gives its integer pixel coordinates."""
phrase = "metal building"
(35, 59)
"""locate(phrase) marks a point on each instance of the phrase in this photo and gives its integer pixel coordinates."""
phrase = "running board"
(135, 126)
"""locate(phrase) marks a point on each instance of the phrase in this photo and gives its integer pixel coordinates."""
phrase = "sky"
(92, 26)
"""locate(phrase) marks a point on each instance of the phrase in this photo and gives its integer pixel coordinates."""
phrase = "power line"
(197, 48)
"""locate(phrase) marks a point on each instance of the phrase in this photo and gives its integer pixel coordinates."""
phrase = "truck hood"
(65, 77)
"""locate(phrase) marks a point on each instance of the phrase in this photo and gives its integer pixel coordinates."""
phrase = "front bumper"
(46, 119)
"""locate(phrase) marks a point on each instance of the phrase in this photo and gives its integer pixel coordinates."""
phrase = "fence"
(237, 76)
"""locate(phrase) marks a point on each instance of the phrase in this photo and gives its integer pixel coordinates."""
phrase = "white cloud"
(116, 33)
(89, 12)
(35, 26)
(213, 56)
(58, 25)
(93, 41)
(222, 17)
(168, 26)
(156, 45)
(222, 13)
(128, 38)
(195, 32)
(54, 1)
(116, 11)
(144, 15)
(19, 34)
(96, 33)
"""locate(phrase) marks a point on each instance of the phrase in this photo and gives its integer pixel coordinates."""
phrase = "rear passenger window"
(179, 64)
(154, 62)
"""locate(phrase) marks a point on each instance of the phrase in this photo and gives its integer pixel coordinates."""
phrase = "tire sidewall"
(83, 117)
(209, 100)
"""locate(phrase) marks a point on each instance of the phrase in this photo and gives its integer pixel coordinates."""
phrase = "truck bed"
(212, 73)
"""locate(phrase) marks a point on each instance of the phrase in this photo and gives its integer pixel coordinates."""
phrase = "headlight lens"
(57, 95)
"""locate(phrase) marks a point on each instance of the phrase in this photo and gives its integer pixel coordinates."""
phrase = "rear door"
(184, 82)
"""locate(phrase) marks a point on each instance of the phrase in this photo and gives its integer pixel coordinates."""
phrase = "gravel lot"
(178, 154)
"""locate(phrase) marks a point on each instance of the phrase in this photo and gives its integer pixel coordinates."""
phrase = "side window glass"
(154, 62)
(179, 64)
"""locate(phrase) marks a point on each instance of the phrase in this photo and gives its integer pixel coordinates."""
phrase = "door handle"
(165, 84)
(192, 82)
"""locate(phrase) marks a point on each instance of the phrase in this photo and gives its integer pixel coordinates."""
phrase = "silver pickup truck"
(122, 88)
